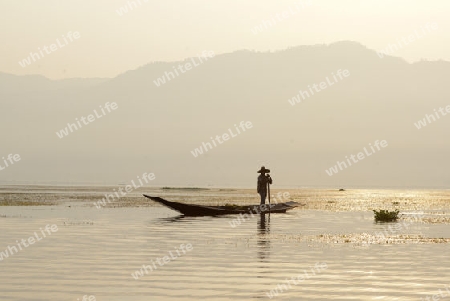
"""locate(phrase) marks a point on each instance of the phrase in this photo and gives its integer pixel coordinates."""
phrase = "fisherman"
(263, 181)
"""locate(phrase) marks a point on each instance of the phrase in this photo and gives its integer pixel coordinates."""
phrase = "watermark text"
(182, 250)
(341, 165)
(46, 50)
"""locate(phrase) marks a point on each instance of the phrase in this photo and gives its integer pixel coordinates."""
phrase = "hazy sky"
(110, 44)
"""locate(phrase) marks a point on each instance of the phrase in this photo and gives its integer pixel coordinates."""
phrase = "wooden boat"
(199, 210)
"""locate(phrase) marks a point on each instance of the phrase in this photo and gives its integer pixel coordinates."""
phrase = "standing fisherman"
(263, 181)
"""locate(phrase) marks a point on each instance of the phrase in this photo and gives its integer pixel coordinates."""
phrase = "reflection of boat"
(199, 210)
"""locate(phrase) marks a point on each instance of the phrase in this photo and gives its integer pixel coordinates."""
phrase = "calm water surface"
(96, 251)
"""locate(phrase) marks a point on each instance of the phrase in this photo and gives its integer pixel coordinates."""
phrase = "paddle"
(268, 191)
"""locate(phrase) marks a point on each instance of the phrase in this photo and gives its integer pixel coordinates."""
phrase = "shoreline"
(328, 200)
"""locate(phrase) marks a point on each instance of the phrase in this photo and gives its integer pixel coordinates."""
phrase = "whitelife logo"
(131, 5)
(162, 261)
(405, 41)
(86, 120)
(360, 155)
(242, 218)
(204, 147)
(340, 75)
(128, 188)
(68, 38)
(183, 68)
(430, 118)
(11, 250)
(87, 298)
(280, 17)
(11, 158)
(281, 288)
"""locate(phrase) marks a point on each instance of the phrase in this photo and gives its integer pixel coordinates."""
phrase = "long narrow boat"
(199, 210)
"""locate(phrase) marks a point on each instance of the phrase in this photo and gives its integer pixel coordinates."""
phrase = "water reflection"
(171, 219)
(183, 218)
(263, 242)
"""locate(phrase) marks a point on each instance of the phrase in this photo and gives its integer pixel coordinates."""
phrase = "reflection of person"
(263, 181)
(263, 240)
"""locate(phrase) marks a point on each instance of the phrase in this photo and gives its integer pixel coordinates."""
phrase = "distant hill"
(12, 83)
(155, 127)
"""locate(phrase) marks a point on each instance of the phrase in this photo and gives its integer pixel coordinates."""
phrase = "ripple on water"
(95, 252)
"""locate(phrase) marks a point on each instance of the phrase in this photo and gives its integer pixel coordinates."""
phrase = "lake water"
(331, 246)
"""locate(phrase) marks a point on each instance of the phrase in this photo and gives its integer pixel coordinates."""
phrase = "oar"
(268, 191)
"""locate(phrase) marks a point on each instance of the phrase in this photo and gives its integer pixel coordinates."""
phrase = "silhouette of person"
(263, 181)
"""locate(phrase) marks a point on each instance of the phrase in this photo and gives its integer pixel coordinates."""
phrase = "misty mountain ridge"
(342, 46)
(158, 127)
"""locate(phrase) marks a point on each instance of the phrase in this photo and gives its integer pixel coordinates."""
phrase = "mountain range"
(156, 128)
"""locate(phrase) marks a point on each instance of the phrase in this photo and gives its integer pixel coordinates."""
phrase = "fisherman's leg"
(263, 197)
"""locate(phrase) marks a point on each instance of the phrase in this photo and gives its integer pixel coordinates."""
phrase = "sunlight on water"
(330, 249)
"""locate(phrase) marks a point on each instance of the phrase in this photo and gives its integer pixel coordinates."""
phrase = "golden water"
(95, 251)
